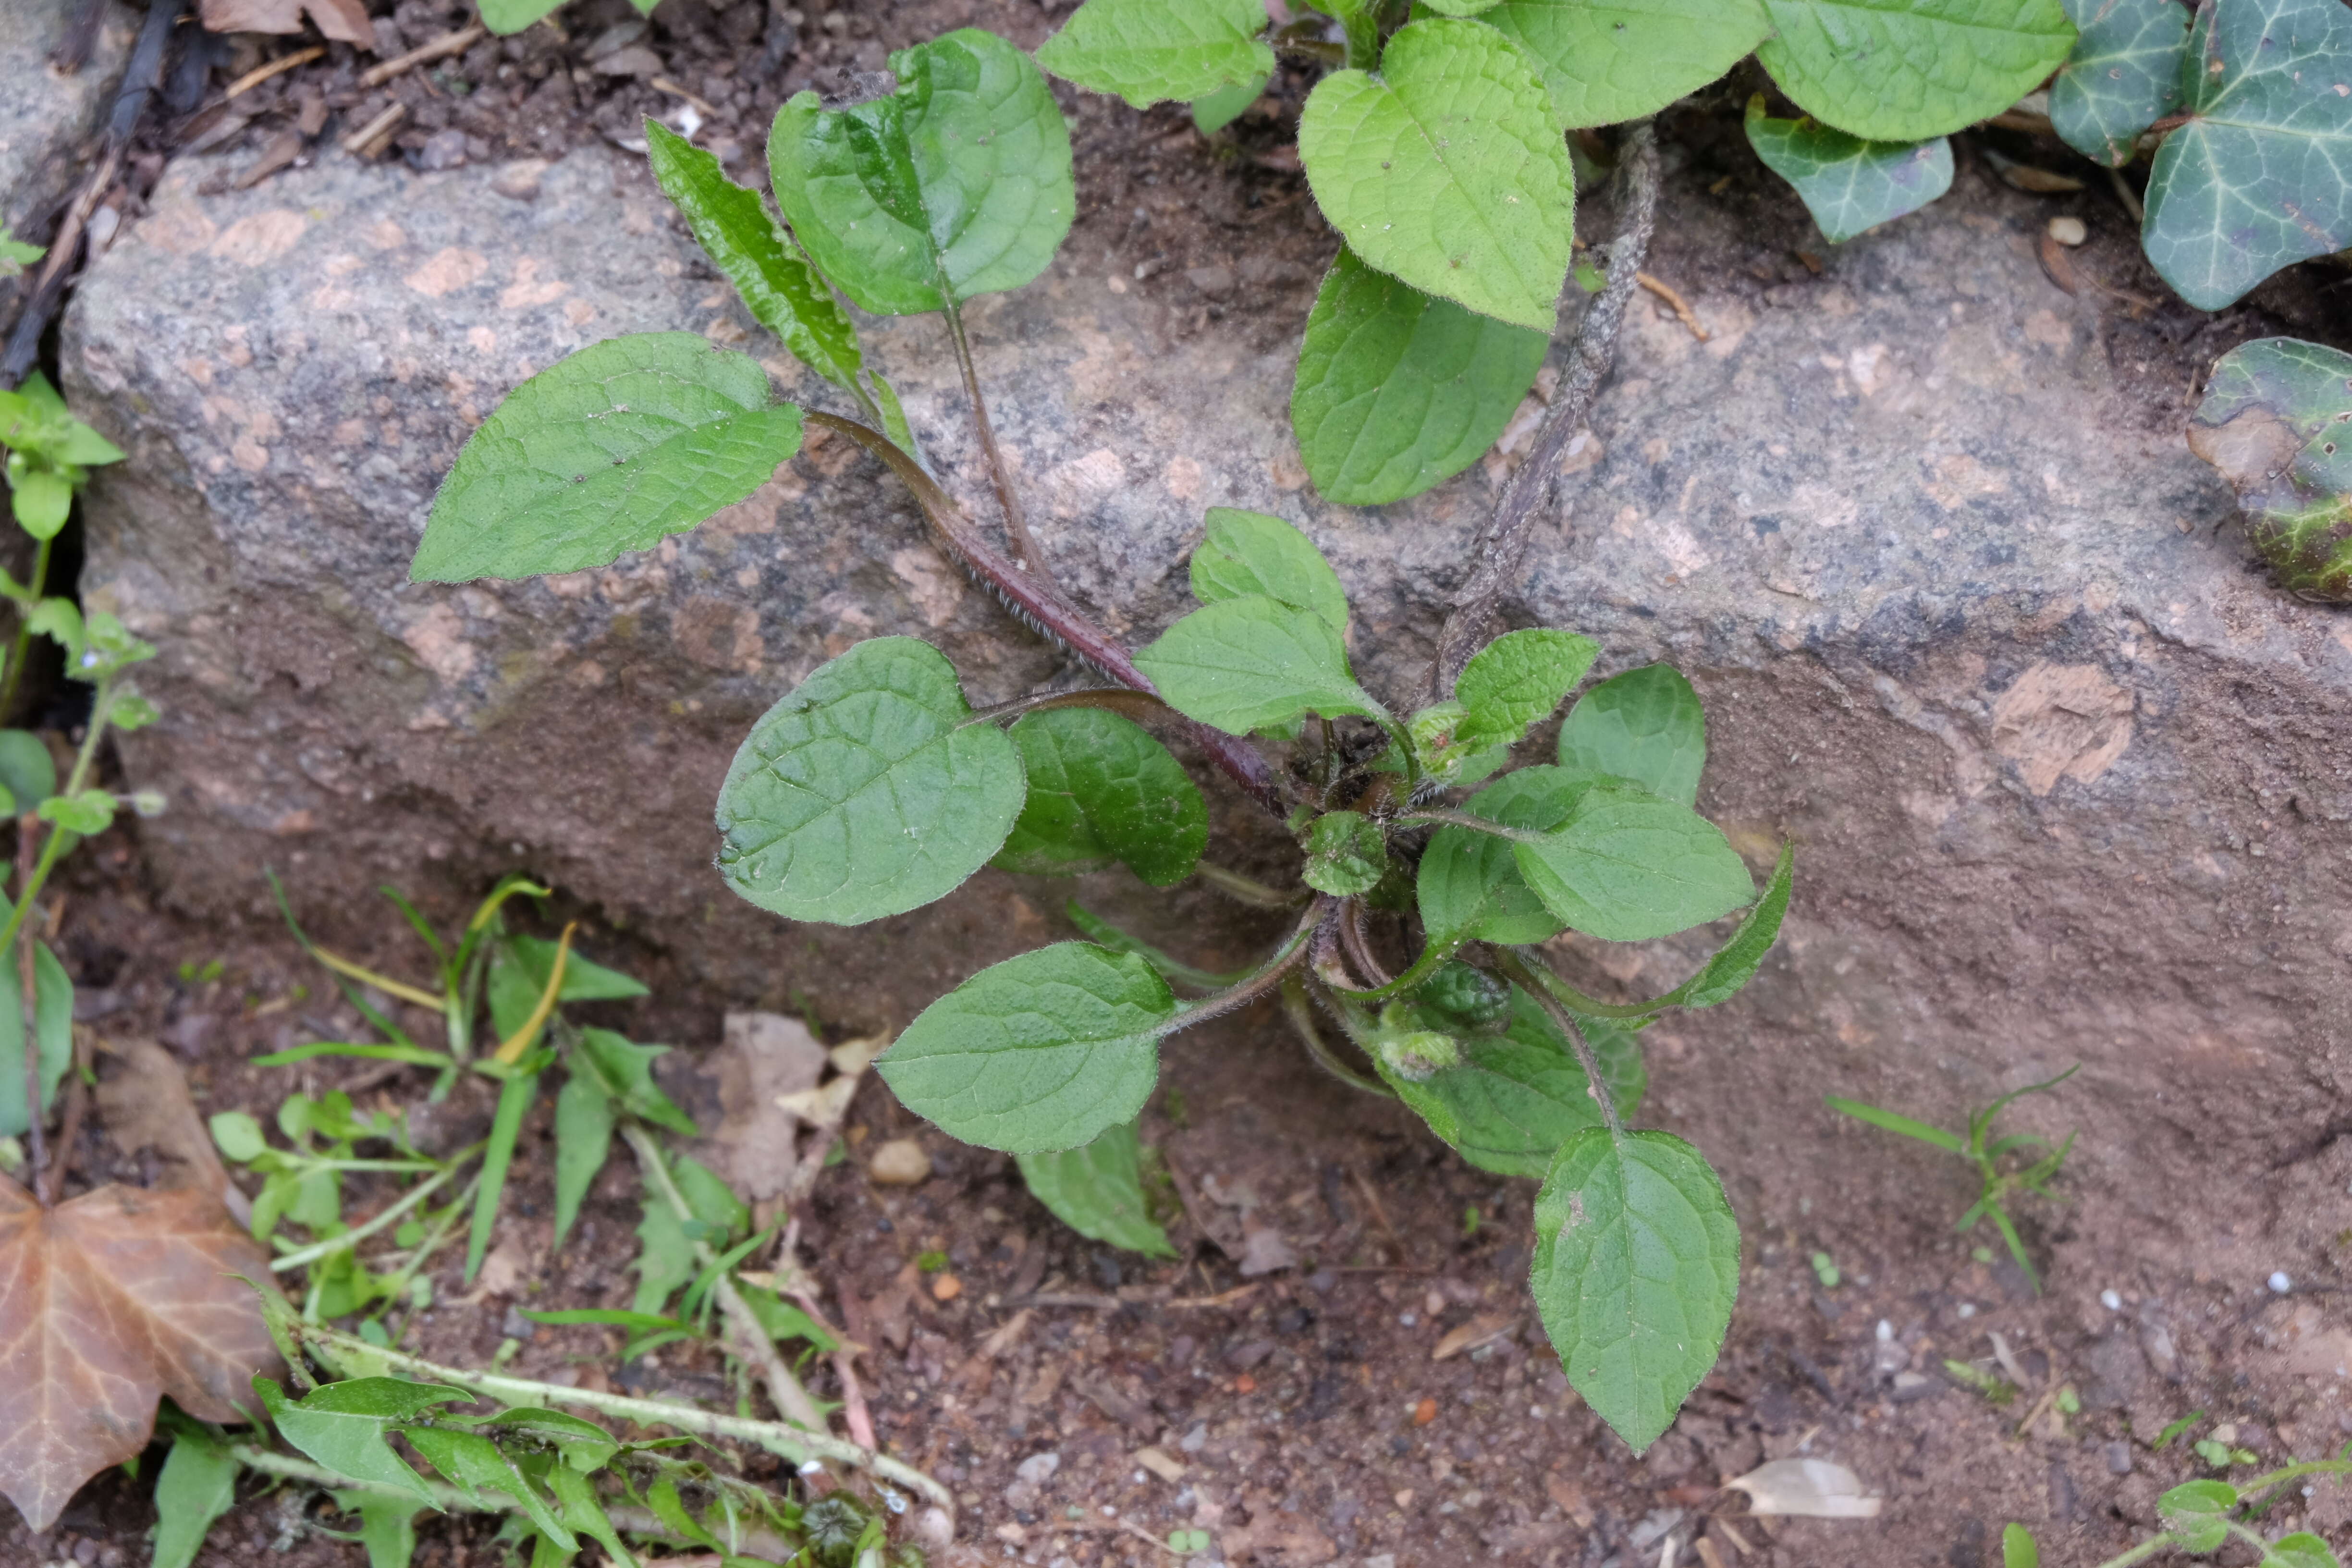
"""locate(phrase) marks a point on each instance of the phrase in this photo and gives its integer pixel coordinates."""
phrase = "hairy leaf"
(1253, 663)
(1905, 70)
(1469, 885)
(1397, 389)
(2122, 76)
(1736, 961)
(1626, 866)
(1347, 853)
(2301, 1550)
(2198, 1512)
(864, 793)
(1515, 1098)
(958, 183)
(1447, 170)
(1039, 1053)
(53, 1001)
(1515, 682)
(343, 1424)
(2277, 423)
(2262, 175)
(1636, 1267)
(107, 1303)
(782, 290)
(1848, 184)
(197, 1485)
(1101, 789)
(1097, 1191)
(1250, 553)
(1148, 51)
(1645, 725)
(609, 450)
(1223, 106)
(1611, 61)
(476, 1464)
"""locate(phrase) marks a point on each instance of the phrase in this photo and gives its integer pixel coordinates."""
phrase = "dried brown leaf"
(345, 20)
(105, 1303)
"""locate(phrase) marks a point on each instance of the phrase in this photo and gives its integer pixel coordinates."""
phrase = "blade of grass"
(514, 1098)
(1892, 1122)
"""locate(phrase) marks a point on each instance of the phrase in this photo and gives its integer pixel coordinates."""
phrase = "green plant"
(2201, 1517)
(15, 255)
(2276, 422)
(1986, 1153)
(876, 788)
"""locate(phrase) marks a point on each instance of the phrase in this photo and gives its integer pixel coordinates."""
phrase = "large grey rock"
(47, 118)
(2070, 781)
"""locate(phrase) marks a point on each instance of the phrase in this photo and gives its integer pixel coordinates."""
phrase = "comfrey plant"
(876, 787)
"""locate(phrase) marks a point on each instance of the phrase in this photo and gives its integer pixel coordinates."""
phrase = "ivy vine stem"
(1507, 959)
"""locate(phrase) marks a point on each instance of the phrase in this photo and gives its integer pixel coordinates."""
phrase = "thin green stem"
(435, 1239)
(1592, 1007)
(1248, 889)
(1016, 523)
(1433, 957)
(22, 648)
(1516, 967)
(1301, 1013)
(1118, 700)
(2295, 1472)
(1442, 816)
(1264, 979)
(353, 1237)
(2140, 1553)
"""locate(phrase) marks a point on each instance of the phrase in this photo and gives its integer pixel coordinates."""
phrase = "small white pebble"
(1885, 1331)
(1967, 1308)
(1407, 1320)
(2281, 1284)
(2111, 1301)
(1535, 1413)
(2069, 231)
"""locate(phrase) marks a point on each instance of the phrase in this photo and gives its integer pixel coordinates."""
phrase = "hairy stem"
(1016, 523)
(14, 677)
(1443, 817)
(1126, 704)
(1502, 545)
(1513, 965)
(1355, 936)
(1301, 1013)
(1247, 889)
(1266, 976)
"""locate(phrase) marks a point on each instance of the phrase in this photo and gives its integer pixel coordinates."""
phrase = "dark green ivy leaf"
(2277, 422)
(2122, 76)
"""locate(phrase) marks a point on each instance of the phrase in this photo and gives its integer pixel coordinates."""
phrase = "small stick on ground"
(1364, 1184)
(358, 141)
(440, 49)
(278, 67)
(701, 105)
(1673, 296)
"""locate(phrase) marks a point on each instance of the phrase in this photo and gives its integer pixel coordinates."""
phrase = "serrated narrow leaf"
(197, 1486)
(1605, 61)
(609, 450)
(1447, 170)
(624, 1071)
(2276, 422)
(1848, 184)
(1636, 1267)
(1735, 963)
(1251, 553)
(1516, 681)
(583, 1137)
(2261, 176)
(1398, 390)
(1039, 1053)
(53, 1002)
(1627, 866)
(783, 292)
(1911, 69)
(1097, 1191)
(1148, 51)
(2122, 76)
(958, 183)
(343, 1424)
(1645, 725)
(1102, 790)
(1253, 663)
(864, 793)
(1516, 1096)
(1469, 886)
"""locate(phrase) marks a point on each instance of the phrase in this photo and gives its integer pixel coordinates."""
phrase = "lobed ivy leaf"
(1250, 553)
(1347, 853)
(1516, 681)
(343, 1424)
(1626, 866)
(1848, 184)
(1610, 60)
(1148, 51)
(1905, 70)
(2277, 424)
(1097, 1190)
(1447, 170)
(1253, 663)
(1515, 1098)
(2261, 176)
(1469, 886)
(958, 183)
(2122, 76)
(867, 791)
(1636, 1267)
(1645, 725)
(608, 451)
(1102, 790)
(781, 287)
(1398, 390)
(1038, 1053)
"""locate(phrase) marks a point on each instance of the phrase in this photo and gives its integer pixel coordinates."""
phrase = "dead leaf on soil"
(144, 1104)
(343, 20)
(1484, 1329)
(1809, 1489)
(1274, 1536)
(105, 1303)
(761, 1056)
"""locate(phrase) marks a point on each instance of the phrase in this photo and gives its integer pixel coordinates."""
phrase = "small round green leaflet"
(2198, 1512)
(609, 450)
(1645, 725)
(1610, 60)
(1149, 51)
(1347, 853)
(1397, 389)
(1636, 1267)
(1040, 1053)
(866, 793)
(957, 185)
(1447, 170)
(2018, 1549)
(1252, 663)
(1097, 1191)
(1848, 184)
(1905, 70)
(1102, 790)
(2122, 76)
(1626, 866)
(1250, 553)
(2277, 424)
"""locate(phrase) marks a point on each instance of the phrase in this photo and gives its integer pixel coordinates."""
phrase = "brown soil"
(1309, 1412)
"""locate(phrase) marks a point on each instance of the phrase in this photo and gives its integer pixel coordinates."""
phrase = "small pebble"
(2111, 1301)
(901, 1163)
(2068, 230)
(1967, 1308)
(1885, 1331)
(2281, 1284)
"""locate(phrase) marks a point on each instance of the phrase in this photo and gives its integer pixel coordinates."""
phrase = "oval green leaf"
(1636, 1267)
(1447, 170)
(2277, 424)
(1097, 1191)
(1398, 390)
(1252, 663)
(1611, 61)
(1250, 553)
(958, 183)
(1148, 51)
(1346, 854)
(1626, 866)
(1515, 683)
(2122, 76)
(1101, 789)
(1515, 1098)
(609, 450)
(1848, 184)
(1040, 1053)
(1736, 961)
(1905, 70)
(1645, 725)
(866, 793)
(1469, 886)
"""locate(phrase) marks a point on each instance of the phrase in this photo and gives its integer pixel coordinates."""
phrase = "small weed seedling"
(2201, 1517)
(876, 787)
(1987, 1154)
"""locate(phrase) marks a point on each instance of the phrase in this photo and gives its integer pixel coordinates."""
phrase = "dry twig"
(1673, 296)
(440, 49)
(262, 73)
